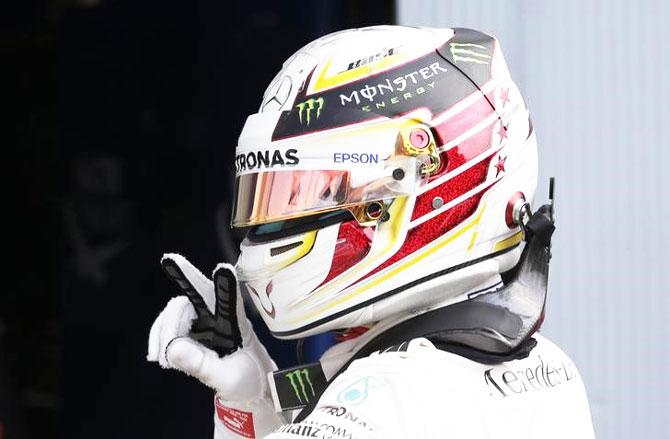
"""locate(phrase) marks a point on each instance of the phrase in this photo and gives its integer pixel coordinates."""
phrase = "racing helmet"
(382, 175)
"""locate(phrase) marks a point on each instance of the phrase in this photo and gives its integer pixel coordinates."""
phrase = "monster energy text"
(309, 107)
(392, 91)
(301, 384)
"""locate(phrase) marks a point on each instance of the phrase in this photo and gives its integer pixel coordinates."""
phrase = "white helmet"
(381, 176)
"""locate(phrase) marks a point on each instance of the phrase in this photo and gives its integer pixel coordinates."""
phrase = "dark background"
(120, 121)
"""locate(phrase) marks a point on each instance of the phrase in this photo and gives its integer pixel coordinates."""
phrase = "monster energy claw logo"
(307, 107)
(299, 379)
(467, 52)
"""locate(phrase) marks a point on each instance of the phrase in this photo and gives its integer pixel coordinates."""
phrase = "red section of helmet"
(459, 155)
(353, 244)
(452, 188)
(475, 144)
(464, 152)
(466, 119)
(469, 148)
(454, 159)
(425, 233)
(432, 229)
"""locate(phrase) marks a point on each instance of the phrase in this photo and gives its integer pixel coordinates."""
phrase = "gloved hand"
(207, 335)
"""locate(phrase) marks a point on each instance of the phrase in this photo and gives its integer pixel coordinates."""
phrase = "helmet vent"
(284, 248)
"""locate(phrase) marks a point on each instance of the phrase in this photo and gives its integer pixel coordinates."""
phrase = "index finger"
(198, 289)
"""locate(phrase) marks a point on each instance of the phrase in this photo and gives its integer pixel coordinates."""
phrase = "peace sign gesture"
(206, 334)
(217, 324)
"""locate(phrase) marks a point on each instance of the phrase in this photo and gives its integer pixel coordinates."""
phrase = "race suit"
(418, 391)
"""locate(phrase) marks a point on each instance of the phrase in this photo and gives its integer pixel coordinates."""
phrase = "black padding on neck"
(520, 352)
(453, 323)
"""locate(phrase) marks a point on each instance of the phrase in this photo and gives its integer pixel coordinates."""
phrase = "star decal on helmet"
(500, 166)
(504, 96)
(502, 132)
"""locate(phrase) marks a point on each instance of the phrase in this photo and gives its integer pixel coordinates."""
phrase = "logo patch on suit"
(296, 387)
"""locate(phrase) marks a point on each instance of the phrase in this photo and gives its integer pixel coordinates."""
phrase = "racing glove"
(207, 335)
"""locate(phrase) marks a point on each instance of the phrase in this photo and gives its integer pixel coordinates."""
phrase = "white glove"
(207, 335)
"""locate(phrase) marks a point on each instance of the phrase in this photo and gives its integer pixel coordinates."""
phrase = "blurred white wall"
(596, 77)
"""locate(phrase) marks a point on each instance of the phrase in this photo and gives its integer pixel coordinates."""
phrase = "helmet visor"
(269, 196)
